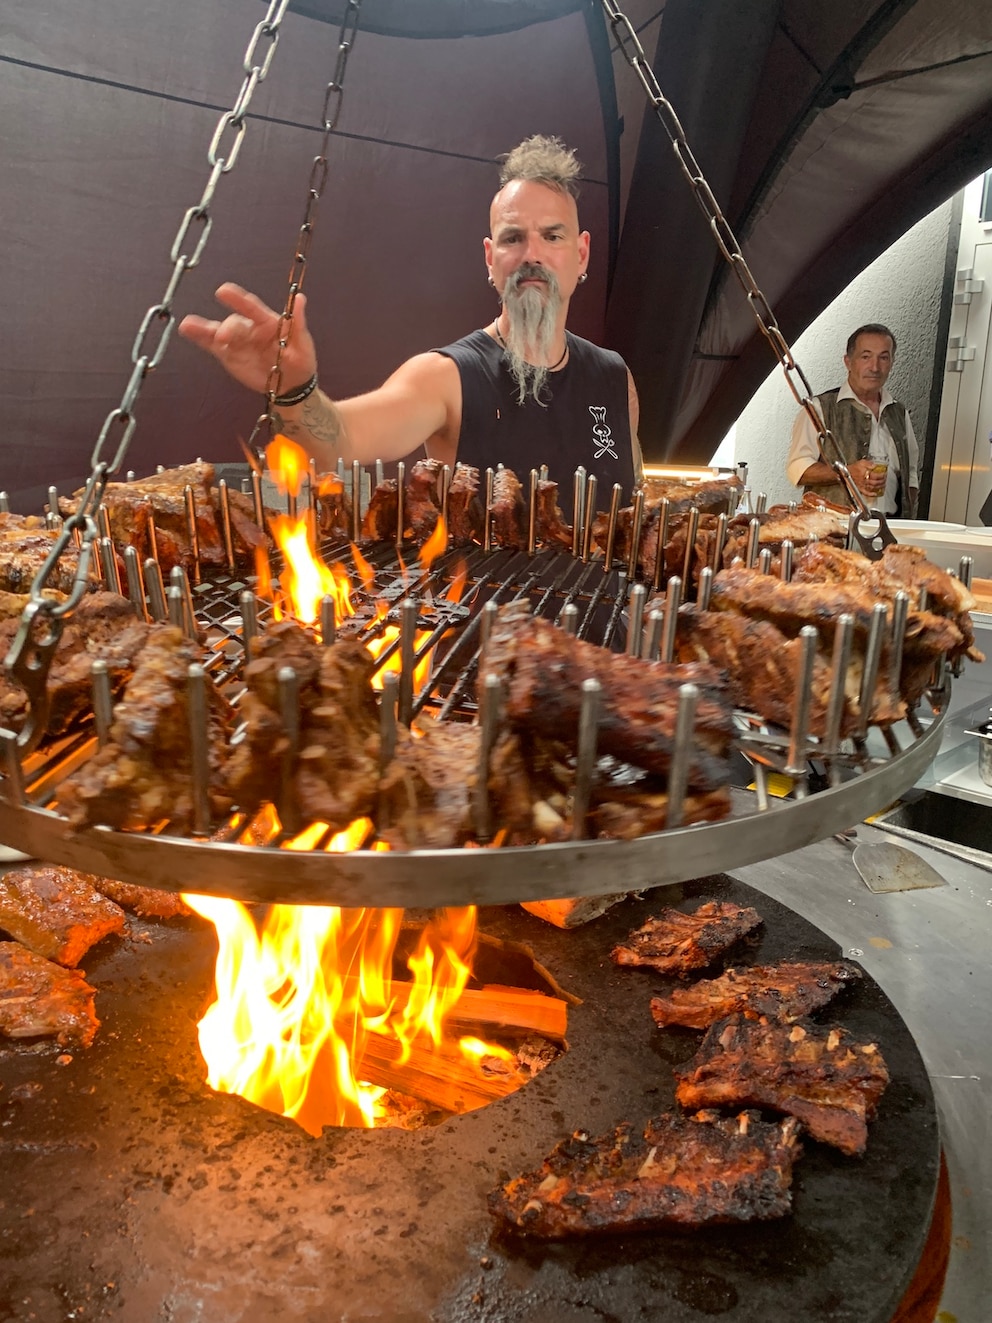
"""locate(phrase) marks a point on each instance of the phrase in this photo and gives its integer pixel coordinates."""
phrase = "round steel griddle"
(132, 1192)
(461, 877)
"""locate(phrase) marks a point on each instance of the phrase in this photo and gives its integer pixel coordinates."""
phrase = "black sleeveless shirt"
(584, 419)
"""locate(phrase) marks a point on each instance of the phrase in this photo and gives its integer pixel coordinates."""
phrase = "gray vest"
(851, 428)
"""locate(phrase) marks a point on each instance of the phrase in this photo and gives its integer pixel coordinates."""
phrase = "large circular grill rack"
(832, 788)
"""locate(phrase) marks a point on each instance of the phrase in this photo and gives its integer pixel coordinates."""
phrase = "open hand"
(246, 342)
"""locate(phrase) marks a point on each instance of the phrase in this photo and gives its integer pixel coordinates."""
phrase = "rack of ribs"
(543, 668)
(132, 507)
(143, 774)
(682, 1171)
(675, 943)
(39, 999)
(823, 1076)
(56, 912)
(103, 627)
(785, 991)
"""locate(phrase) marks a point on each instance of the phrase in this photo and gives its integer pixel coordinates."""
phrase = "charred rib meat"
(56, 912)
(779, 992)
(685, 1171)
(143, 774)
(132, 507)
(382, 516)
(39, 999)
(465, 510)
(25, 545)
(334, 777)
(508, 511)
(676, 943)
(103, 627)
(543, 669)
(824, 1077)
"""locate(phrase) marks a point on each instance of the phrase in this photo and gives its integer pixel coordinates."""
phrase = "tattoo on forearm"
(285, 425)
(322, 421)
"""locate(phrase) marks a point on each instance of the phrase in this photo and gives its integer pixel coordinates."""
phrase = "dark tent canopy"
(825, 130)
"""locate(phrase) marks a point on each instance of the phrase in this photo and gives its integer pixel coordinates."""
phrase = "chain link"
(630, 47)
(30, 655)
(333, 97)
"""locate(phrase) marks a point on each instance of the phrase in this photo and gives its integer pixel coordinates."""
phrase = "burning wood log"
(441, 1076)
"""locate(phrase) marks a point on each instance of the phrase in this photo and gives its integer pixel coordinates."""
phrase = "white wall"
(901, 289)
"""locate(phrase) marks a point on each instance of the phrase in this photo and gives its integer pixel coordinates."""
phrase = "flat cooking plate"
(132, 1192)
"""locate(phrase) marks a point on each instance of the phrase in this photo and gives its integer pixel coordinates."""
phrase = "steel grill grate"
(572, 590)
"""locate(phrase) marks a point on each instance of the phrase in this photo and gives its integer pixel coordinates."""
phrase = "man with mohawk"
(522, 391)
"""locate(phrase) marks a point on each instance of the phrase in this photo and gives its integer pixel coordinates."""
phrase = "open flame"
(305, 999)
(307, 1006)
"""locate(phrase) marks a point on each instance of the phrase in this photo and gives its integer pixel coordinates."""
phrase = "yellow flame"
(298, 999)
(287, 463)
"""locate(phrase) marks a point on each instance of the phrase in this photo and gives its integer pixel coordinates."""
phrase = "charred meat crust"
(143, 774)
(678, 1171)
(823, 1076)
(675, 942)
(161, 498)
(56, 912)
(103, 627)
(39, 999)
(543, 668)
(785, 991)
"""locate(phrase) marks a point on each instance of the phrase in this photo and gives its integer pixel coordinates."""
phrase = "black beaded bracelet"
(299, 395)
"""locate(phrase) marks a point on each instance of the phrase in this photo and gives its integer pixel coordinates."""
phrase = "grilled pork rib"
(679, 1170)
(25, 545)
(161, 499)
(143, 774)
(335, 775)
(104, 627)
(824, 1077)
(56, 912)
(780, 992)
(676, 943)
(543, 668)
(39, 999)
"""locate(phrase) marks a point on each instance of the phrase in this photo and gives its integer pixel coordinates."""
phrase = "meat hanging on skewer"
(508, 511)
(132, 507)
(143, 774)
(25, 545)
(823, 1076)
(677, 1171)
(543, 668)
(785, 991)
(466, 510)
(103, 627)
(334, 777)
(674, 942)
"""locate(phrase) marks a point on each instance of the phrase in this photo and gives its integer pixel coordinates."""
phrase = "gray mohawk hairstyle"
(542, 160)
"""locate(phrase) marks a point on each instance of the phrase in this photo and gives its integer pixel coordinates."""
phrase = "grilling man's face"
(535, 234)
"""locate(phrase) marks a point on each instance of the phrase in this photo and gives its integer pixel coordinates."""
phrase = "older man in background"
(873, 430)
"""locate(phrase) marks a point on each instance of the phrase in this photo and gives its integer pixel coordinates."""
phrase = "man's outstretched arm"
(420, 400)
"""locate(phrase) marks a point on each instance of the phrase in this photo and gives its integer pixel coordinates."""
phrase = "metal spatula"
(888, 867)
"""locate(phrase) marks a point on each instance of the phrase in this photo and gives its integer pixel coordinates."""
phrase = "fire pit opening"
(372, 1017)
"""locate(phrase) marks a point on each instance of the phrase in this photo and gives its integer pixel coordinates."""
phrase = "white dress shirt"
(804, 450)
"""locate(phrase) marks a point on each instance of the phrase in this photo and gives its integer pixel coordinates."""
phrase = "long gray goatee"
(533, 318)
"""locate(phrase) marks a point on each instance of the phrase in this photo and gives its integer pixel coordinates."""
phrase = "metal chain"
(333, 98)
(633, 52)
(38, 635)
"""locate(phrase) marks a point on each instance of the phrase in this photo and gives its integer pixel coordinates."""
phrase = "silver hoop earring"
(582, 278)
(492, 283)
